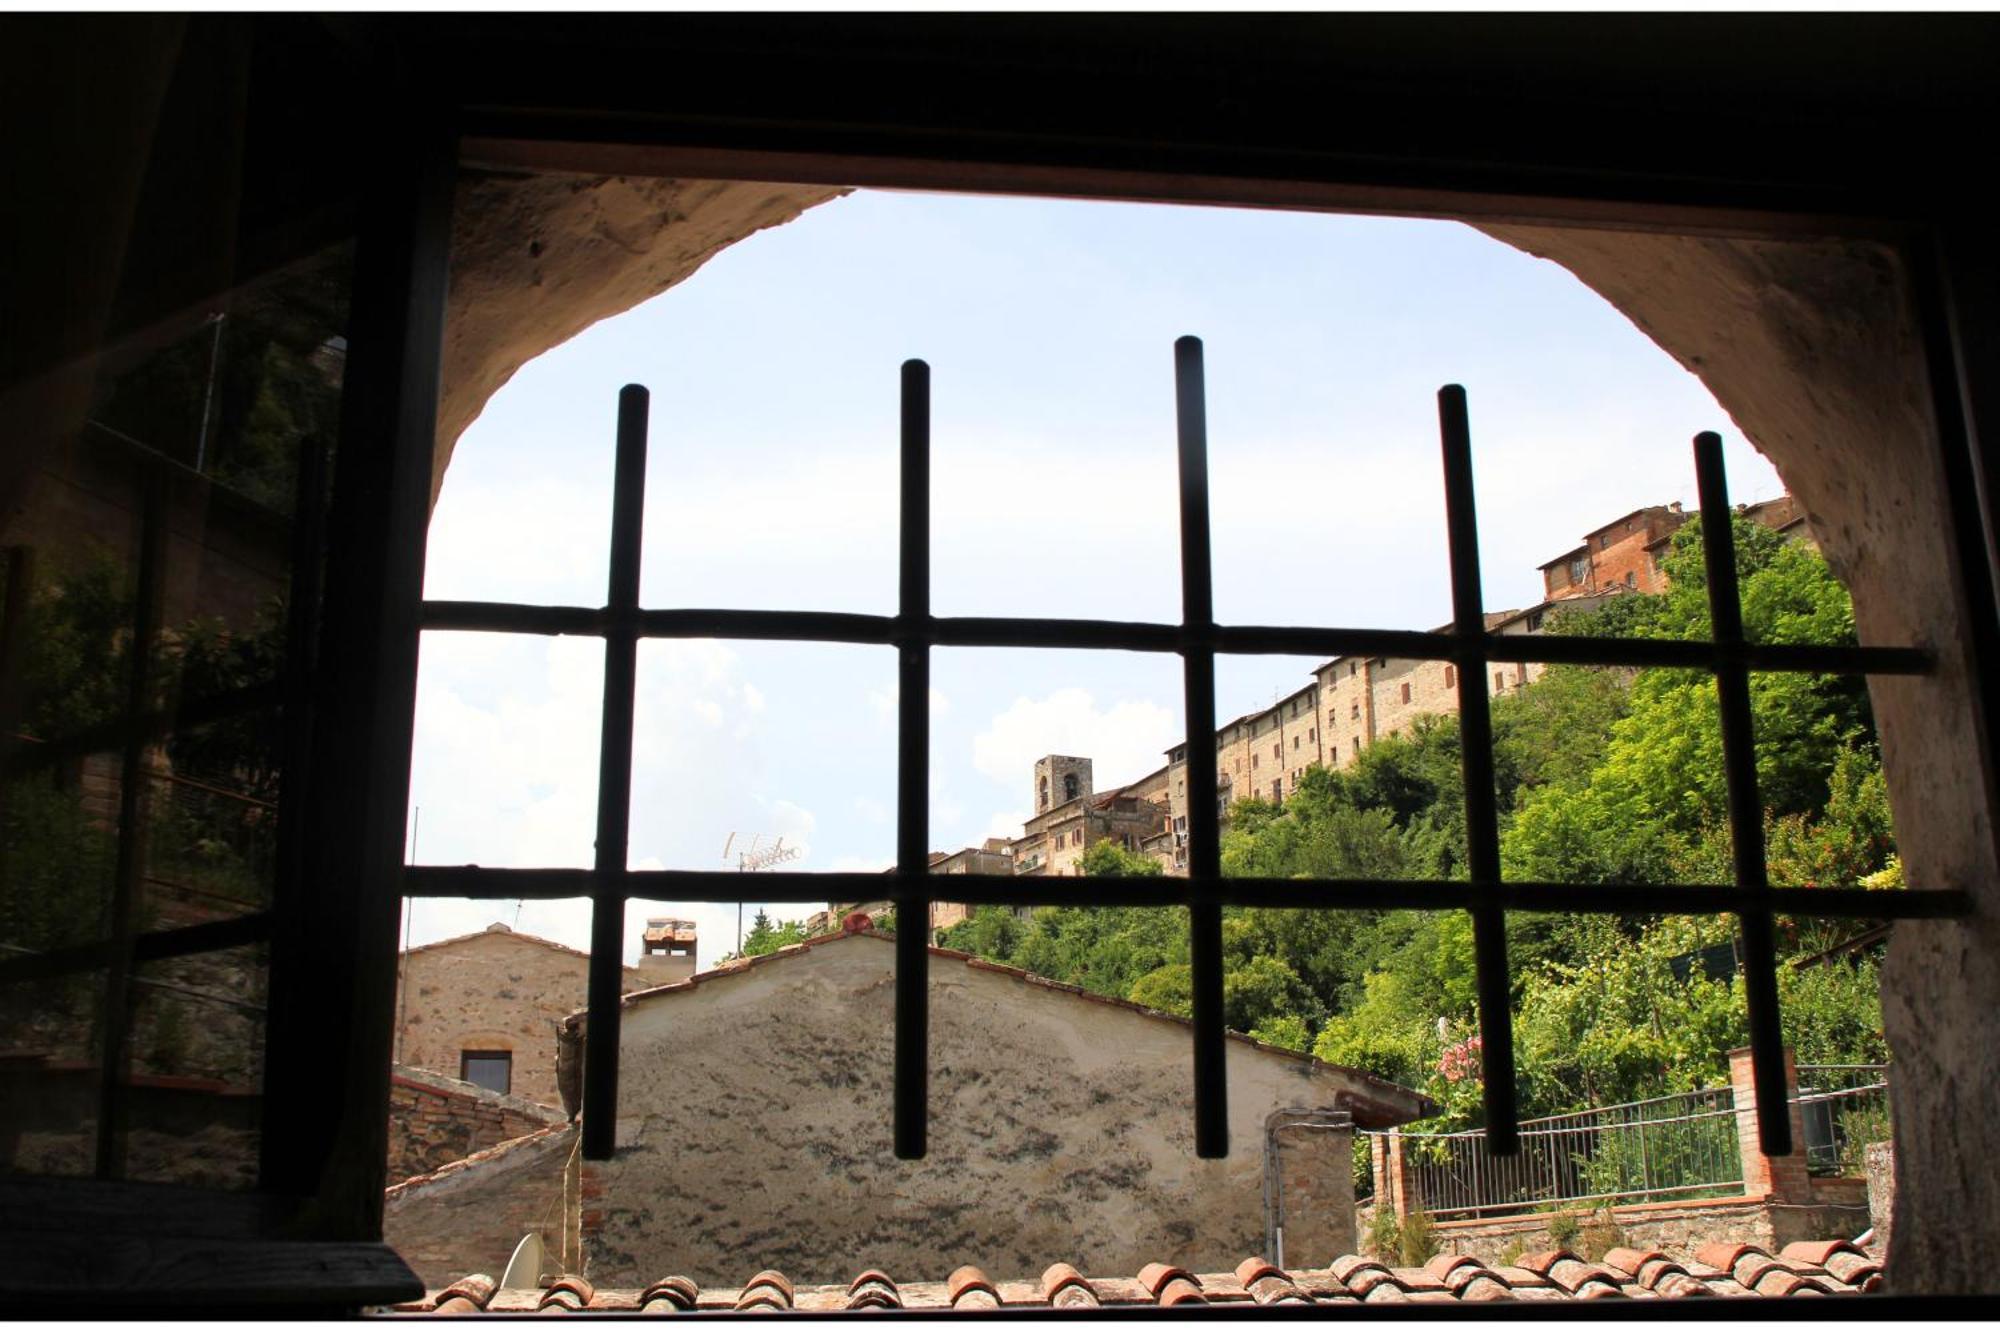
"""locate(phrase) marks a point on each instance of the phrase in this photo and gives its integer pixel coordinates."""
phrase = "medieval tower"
(1059, 779)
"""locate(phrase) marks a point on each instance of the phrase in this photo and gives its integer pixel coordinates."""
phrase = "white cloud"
(1006, 824)
(1123, 742)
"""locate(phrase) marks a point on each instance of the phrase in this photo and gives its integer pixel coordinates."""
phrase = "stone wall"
(494, 991)
(469, 1216)
(434, 1120)
(1678, 1228)
(754, 1131)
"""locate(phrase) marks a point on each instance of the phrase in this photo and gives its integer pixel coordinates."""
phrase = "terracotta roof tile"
(568, 1292)
(1170, 1285)
(769, 1290)
(970, 1290)
(1555, 1275)
(873, 1290)
(1467, 1278)
(468, 1295)
(679, 1293)
(1065, 1288)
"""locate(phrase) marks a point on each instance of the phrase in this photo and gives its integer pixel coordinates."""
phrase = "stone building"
(1624, 553)
(754, 1128)
(484, 1008)
(1054, 841)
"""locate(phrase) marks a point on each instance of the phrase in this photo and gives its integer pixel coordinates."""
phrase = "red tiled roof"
(1398, 1104)
(1815, 1268)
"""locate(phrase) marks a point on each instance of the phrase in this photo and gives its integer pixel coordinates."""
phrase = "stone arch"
(1812, 348)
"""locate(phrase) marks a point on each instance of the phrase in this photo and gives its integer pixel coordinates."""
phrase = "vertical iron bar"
(1746, 809)
(1211, 1106)
(302, 616)
(1475, 743)
(116, 1017)
(13, 641)
(614, 780)
(913, 761)
(331, 1012)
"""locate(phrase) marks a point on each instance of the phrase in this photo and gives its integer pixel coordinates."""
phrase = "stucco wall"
(468, 1219)
(754, 1131)
(493, 991)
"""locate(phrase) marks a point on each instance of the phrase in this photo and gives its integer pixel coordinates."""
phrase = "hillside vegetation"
(1603, 776)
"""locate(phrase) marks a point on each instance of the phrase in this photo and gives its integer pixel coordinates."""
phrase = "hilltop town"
(1350, 704)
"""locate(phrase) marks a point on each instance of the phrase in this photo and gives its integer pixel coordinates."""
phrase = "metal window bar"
(1839, 1106)
(913, 631)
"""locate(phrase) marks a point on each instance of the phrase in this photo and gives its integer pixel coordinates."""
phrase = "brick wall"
(434, 1120)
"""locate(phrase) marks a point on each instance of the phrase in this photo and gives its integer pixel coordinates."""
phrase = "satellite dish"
(525, 1268)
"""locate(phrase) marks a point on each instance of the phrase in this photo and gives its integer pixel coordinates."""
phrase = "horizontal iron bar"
(780, 886)
(208, 937)
(1148, 637)
(112, 735)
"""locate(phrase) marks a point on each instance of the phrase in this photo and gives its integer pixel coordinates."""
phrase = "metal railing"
(1680, 1146)
(1842, 1108)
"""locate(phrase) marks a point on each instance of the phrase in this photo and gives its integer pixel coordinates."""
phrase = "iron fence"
(1843, 1109)
(1679, 1146)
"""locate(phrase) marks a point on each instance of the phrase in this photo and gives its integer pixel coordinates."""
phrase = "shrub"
(1419, 1239)
(1563, 1230)
(1600, 1235)
(1385, 1234)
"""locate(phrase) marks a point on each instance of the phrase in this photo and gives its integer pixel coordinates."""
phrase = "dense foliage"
(1601, 776)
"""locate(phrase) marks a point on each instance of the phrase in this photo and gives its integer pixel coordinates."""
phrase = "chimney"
(667, 952)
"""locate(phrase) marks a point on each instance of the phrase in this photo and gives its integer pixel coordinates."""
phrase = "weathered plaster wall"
(495, 991)
(536, 260)
(754, 1131)
(434, 1120)
(467, 1218)
(1812, 350)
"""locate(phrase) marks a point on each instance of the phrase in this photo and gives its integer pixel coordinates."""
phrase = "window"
(1354, 712)
(492, 1070)
(1406, 691)
(1278, 750)
(1579, 570)
(1450, 677)
(1069, 787)
(1278, 790)
(1631, 578)
(1729, 662)
(1253, 761)
(1499, 680)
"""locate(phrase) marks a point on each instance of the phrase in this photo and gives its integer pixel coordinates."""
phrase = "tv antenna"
(753, 857)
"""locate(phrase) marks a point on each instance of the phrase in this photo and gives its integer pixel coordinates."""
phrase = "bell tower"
(1060, 779)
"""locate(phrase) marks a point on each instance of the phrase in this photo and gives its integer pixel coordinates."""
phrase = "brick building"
(484, 1008)
(1624, 553)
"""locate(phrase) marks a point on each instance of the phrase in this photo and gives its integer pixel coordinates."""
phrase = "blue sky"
(1049, 327)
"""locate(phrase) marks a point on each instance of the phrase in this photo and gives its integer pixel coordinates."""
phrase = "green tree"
(765, 936)
(1105, 857)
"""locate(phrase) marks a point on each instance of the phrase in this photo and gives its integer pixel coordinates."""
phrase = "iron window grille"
(621, 622)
